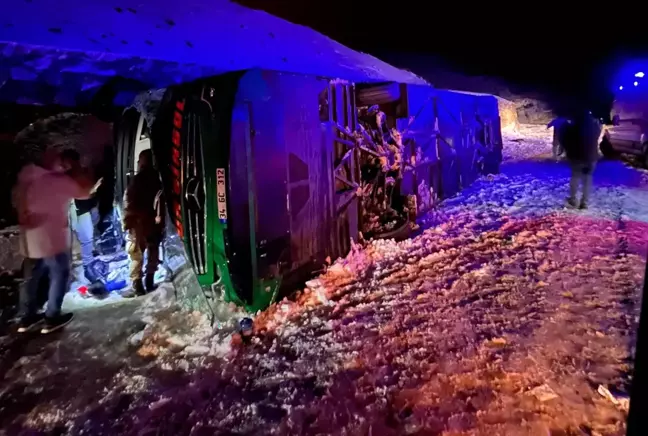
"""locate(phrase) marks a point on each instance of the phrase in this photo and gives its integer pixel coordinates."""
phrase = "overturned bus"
(276, 150)
(265, 171)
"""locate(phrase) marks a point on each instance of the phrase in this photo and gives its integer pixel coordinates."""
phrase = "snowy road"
(502, 318)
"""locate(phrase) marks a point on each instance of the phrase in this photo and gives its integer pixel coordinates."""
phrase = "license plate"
(221, 194)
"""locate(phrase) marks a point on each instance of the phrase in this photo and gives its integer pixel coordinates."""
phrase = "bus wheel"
(125, 139)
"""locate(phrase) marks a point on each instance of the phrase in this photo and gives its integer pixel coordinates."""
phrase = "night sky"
(571, 50)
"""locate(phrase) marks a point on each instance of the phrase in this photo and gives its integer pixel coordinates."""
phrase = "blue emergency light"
(630, 75)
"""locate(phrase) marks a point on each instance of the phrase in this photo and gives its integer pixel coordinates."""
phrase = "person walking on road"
(143, 220)
(42, 196)
(580, 139)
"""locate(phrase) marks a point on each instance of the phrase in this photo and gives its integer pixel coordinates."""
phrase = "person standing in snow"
(580, 140)
(143, 220)
(86, 216)
(557, 124)
(26, 220)
(42, 196)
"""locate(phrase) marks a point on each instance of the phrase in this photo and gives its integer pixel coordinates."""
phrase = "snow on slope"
(527, 142)
(206, 37)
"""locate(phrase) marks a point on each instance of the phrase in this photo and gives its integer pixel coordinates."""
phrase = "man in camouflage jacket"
(143, 220)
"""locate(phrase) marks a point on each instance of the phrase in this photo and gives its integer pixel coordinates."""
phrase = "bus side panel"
(308, 173)
(269, 175)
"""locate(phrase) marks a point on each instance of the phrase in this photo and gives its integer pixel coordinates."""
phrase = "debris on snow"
(497, 342)
(543, 393)
(196, 350)
(136, 339)
(176, 344)
(622, 401)
(159, 403)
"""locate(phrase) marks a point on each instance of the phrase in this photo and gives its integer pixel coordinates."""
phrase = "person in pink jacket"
(42, 198)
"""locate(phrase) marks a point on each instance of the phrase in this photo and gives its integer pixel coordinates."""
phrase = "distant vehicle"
(628, 132)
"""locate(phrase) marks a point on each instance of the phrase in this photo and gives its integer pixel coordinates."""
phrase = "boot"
(571, 202)
(136, 291)
(150, 283)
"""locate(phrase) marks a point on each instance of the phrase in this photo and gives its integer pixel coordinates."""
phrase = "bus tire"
(124, 149)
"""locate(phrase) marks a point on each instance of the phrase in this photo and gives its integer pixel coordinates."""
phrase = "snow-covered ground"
(508, 315)
(526, 141)
(78, 297)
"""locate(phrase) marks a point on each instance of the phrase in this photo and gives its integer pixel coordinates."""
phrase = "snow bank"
(160, 43)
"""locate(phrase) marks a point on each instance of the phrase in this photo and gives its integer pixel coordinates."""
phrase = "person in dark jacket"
(143, 220)
(580, 139)
(557, 124)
